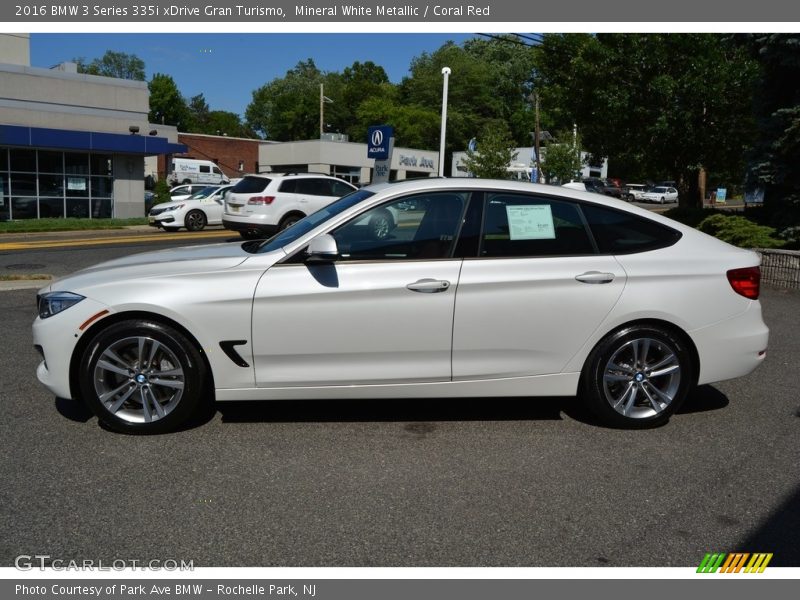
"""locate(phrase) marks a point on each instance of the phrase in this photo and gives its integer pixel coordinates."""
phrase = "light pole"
(322, 100)
(446, 72)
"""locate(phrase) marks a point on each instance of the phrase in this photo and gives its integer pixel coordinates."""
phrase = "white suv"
(261, 205)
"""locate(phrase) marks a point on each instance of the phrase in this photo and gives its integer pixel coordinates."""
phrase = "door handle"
(429, 286)
(595, 277)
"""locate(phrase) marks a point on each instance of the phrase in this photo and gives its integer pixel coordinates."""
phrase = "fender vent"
(229, 348)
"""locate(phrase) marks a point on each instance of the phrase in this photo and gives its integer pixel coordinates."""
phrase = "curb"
(23, 284)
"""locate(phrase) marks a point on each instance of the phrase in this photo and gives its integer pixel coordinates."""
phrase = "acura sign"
(378, 141)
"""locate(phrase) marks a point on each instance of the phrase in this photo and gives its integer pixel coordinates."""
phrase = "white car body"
(500, 326)
(194, 212)
(636, 190)
(261, 205)
(660, 194)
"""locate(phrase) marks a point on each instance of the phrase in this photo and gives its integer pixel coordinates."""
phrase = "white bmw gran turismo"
(482, 288)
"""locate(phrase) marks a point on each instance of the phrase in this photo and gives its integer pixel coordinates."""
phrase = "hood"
(150, 265)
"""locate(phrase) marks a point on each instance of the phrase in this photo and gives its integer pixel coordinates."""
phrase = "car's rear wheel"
(381, 225)
(140, 376)
(195, 220)
(288, 221)
(638, 377)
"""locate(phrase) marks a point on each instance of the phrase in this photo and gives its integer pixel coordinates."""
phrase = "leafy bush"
(690, 215)
(162, 191)
(739, 231)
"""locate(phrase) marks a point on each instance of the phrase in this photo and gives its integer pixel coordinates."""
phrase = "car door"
(213, 206)
(382, 312)
(534, 294)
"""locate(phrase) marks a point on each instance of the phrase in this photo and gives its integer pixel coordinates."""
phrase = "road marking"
(124, 239)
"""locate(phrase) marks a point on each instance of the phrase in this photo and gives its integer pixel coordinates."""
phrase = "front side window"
(424, 226)
(522, 225)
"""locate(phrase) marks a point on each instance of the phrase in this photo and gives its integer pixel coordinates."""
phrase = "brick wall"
(227, 152)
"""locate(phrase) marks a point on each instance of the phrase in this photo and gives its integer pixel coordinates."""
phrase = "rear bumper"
(732, 348)
(248, 225)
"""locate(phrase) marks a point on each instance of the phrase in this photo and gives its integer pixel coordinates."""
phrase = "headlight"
(173, 208)
(53, 303)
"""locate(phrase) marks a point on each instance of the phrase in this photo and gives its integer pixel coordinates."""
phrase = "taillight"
(260, 200)
(746, 282)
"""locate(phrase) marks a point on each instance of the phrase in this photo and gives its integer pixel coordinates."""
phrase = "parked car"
(182, 192)
(605, 187)
(635, 191)
(194, 213)
(261, 205)
(661, 195)
(559, 293)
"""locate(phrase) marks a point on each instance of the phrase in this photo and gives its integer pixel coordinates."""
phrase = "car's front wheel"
(140, 376)
(638, 377)
(195, 220)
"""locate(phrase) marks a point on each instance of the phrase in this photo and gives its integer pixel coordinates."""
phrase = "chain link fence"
(780, 268)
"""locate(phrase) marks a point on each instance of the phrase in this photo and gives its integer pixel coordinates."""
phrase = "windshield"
(303, 226)
(204, 193)
(659, 190)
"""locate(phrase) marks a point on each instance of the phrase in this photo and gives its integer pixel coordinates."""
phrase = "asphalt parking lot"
(515, 482)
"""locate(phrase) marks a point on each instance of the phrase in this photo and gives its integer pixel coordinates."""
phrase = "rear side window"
(618, 232)
(205, 169)
(314, 187)
(340, 188)
(517, 225)
(288, 186)
(251, 185)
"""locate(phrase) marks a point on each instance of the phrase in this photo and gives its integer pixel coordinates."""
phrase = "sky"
(226, 68)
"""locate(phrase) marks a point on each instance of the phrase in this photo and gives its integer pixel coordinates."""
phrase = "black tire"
(251, 234)
(195, 220)
(381, 225)
(119, 377)
(663, 200)
(628, 394)
(289, 220)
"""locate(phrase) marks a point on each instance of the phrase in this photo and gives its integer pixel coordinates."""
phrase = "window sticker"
(531, 222)
(76, 183)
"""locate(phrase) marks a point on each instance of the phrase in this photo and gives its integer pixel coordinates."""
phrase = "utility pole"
(446, 74)
(536, 136)
(322, 100)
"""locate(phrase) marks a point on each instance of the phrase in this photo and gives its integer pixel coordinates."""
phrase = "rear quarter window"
(251, 185)
(618, 232)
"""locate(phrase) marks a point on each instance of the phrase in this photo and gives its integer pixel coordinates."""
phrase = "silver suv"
(261, 205)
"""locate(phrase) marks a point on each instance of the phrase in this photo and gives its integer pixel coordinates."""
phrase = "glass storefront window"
(48, 183)
(23, 160)
(78, 207)
(101, 164)
(50, 208)
(76, 164)
(102, 187)
(23, 184)
(102, 209)
(23, 208)
(51, 162)
(51, 185)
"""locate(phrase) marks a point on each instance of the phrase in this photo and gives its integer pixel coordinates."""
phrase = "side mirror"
(322, 249)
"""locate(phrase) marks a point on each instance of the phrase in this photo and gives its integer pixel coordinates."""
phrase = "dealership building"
(72, 145)
(334, 155)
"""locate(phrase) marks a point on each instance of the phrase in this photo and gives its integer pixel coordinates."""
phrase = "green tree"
(659, 106)
(114, 64)
(774, 159)
(287, 108)
(494, 153)
(562, 159)
(167, 106)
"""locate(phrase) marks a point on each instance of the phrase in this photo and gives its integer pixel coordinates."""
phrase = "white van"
(189, 170)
